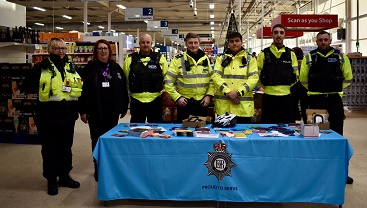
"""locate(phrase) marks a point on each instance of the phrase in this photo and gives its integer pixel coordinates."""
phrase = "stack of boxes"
(16, 108)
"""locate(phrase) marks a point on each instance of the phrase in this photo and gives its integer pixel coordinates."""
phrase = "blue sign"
(164, 23)
(215, 50)
(147, 11)
(174, 31)
(181, 36)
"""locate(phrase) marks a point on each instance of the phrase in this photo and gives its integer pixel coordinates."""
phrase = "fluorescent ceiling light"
(113, 30)
(212, 28)
(73, 31)
(67, 17)
(122, 33)
(121, 6)
(39, 9)
(211, 6)
(59, 28)
(146, 21)
(212, 16)
(137, 15)
(40, 24)
(101, 27)
(212, 31)
(211, 23)
(88, 23)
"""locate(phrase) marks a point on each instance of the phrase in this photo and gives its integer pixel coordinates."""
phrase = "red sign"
(306, 22)
(267, 33)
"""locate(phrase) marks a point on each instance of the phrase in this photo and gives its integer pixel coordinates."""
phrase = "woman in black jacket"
(104, 97)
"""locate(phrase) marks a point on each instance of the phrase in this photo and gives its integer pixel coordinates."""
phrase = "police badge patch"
(219, 163)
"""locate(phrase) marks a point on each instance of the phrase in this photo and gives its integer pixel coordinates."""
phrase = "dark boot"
(350, 180)
(52, 187)
(67, 181)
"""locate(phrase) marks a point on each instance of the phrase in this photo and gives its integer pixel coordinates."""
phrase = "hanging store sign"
(306, 22)
(138, 14)
(172, 33)
(157, 25)
(267, 33)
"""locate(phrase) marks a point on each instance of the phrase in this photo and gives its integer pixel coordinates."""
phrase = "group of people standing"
(100, 91)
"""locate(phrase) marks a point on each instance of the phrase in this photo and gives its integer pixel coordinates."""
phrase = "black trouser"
(243, 120)
(299, 94)
(276, 109)
(334, 105)
(193, 107)
(151, 111)
(99, 126)
(56, 140)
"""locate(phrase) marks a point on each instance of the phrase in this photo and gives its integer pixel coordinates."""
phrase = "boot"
(350, 180)
(67, 181)
(52, 187)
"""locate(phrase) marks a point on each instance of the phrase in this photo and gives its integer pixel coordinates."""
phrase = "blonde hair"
(53, 42)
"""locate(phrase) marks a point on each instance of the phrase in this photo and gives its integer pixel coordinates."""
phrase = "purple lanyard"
(105, 72)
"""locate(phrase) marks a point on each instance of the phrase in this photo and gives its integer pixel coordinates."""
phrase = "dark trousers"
(99, 126)
(299, 94)
(193, 107)
(56, 140)
(243, 120)
(276, 109)
(151, 111)
(334, 105)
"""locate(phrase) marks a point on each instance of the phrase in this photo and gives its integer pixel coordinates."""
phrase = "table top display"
(245, 163)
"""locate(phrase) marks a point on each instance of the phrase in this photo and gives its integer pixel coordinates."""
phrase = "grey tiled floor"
(22, 184)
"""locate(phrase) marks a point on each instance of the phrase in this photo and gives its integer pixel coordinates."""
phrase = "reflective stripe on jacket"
(193, 82)
(51, 84)
(236, 76)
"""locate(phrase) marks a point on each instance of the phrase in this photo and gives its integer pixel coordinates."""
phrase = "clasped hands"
(204, 102)
(233, 97)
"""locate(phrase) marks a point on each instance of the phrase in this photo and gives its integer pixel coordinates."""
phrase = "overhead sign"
(307, 22)
(172, 33)
(138, 14)
(157, 25)
(267, 33)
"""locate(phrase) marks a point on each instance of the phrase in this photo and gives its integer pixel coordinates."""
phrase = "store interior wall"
(330, 7)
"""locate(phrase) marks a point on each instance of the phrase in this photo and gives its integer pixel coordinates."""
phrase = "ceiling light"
(212, 16)
(122, 33)
(121, 6)
(88, 23)
(67, 17)
(40, 24)
(211, 6)
(146, 21)
(211, 23)
(39, 9)
(212, 28)
(59, 28)
(101, 27)
(212, 32)
(137, 15)
(113, 30)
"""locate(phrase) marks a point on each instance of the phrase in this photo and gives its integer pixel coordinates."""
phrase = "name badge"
(66, 89)
(105, 84)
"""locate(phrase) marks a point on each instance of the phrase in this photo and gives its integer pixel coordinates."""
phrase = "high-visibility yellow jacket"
(192, 82)
(344, 64)
(145, 97)
(236, 76)
(278, 90)
(52, 88)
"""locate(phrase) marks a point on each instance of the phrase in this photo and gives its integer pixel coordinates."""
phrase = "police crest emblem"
(219, 163)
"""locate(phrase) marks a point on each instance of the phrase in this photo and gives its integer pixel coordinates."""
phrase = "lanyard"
(105, 72)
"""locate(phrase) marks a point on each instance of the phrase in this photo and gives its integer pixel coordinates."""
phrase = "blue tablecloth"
(256, 169)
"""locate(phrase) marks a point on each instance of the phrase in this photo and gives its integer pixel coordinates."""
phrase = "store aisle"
(22, 184)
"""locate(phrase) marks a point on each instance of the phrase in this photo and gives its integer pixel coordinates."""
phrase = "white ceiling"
(177, 12)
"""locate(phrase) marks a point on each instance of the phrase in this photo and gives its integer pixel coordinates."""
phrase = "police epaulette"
(179, 55)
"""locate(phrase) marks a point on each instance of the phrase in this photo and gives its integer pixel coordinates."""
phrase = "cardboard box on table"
(310, 112)
(196, 124)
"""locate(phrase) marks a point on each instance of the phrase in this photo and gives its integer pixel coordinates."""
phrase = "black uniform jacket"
(91, 101)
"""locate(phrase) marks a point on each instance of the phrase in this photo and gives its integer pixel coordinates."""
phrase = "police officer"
(278, 71)
(325, 72)
(145, 72)
(235, 75)
(59, 85)
(191, 71)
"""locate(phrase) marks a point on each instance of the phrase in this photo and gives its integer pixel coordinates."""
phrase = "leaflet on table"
(272, 134)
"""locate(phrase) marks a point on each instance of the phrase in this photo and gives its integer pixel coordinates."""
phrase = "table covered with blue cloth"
(252, 169)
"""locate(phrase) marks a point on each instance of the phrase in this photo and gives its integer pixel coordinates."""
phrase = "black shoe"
(96, 176)
(350, 180)
(52, 187)
(67, 181)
